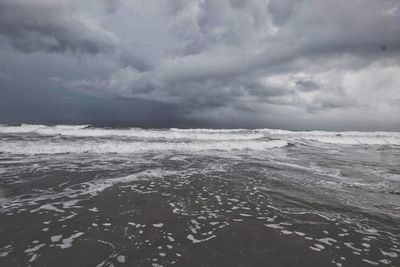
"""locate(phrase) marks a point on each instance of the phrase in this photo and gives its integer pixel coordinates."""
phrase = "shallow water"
(84, 196)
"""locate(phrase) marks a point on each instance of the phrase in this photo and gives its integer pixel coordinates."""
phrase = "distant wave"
(341, 138)
(85, 131)
(174, 134)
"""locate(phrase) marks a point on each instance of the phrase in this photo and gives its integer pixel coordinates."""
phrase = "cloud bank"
(297, 64)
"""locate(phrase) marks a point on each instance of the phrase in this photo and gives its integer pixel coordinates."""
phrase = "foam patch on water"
(79, 192)
(67, 242)
(194, 240)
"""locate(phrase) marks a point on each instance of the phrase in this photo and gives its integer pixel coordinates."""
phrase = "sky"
(289, 64)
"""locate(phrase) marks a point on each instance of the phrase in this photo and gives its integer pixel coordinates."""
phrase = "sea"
(78, 195)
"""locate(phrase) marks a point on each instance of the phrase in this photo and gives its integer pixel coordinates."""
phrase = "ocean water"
(86, 196)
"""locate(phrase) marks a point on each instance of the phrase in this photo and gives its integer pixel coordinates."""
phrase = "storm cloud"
(295, 64)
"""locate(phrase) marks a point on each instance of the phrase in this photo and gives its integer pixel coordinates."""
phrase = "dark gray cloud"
(307, 85)
(281, 10)
(278, 63)
(51, 26)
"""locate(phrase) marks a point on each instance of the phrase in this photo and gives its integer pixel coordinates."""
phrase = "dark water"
(72, 196)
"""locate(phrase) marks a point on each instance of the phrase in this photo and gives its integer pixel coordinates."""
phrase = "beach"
(87, 196)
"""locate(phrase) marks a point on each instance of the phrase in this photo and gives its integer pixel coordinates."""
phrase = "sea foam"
(225, 139)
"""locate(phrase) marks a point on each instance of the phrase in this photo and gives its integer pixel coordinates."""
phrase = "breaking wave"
(138, 139)
(44, 147)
